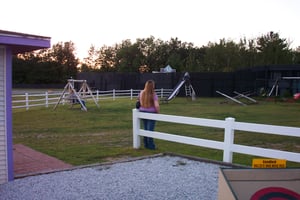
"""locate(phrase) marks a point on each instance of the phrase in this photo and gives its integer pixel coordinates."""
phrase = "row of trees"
(58, 63)
(46, 66)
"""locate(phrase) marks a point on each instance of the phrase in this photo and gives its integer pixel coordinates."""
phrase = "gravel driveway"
(162, 177)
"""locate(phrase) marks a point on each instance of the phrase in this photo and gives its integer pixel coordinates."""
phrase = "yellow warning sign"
(268, 163)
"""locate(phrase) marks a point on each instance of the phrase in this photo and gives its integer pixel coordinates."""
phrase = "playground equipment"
(77, 96)
(189, 91)
(274, 87)
(239, 95)
(296, 96)
(293, 82)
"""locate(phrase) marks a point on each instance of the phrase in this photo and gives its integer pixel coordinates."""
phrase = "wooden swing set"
(75, 97)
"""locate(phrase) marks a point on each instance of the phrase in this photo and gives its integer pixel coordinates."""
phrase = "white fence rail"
(28, 100)
(229, 125)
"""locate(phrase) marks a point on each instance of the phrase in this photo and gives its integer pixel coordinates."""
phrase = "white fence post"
(46, 98)
(136, 125)
(114, 94)
(27, 100)
(97, 93)
(131, 94)
(228, 139)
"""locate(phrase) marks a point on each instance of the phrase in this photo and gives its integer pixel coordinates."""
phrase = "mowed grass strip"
(105, 133)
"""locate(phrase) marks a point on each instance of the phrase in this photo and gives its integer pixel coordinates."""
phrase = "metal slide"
(178, 86)
(175, 91)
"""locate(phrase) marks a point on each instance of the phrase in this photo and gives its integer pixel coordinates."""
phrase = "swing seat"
(74, 102)
(74, 99)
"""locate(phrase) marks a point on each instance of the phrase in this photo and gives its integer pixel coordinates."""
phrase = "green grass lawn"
(105, 133)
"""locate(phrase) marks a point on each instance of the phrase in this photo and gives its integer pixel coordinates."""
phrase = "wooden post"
(46, 99)
(27, 101)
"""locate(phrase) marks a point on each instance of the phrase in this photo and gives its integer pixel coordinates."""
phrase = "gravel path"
(164, 177)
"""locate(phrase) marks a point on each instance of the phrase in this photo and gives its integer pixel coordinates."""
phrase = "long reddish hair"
(147, 95)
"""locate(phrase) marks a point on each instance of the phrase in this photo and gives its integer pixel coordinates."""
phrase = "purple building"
(11, 43)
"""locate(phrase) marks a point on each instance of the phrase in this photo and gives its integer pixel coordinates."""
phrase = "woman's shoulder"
(141, 92)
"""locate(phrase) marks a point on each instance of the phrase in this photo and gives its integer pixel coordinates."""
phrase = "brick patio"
(30, 162)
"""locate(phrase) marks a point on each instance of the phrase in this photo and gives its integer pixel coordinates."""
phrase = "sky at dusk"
(98, 23)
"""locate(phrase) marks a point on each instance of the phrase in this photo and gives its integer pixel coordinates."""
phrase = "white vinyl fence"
(229, 125)
(45, 99)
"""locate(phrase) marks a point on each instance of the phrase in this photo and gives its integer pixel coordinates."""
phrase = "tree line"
(56, 64)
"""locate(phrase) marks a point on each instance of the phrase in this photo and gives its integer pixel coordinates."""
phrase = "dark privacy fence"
(251, 80)
(204, 84)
